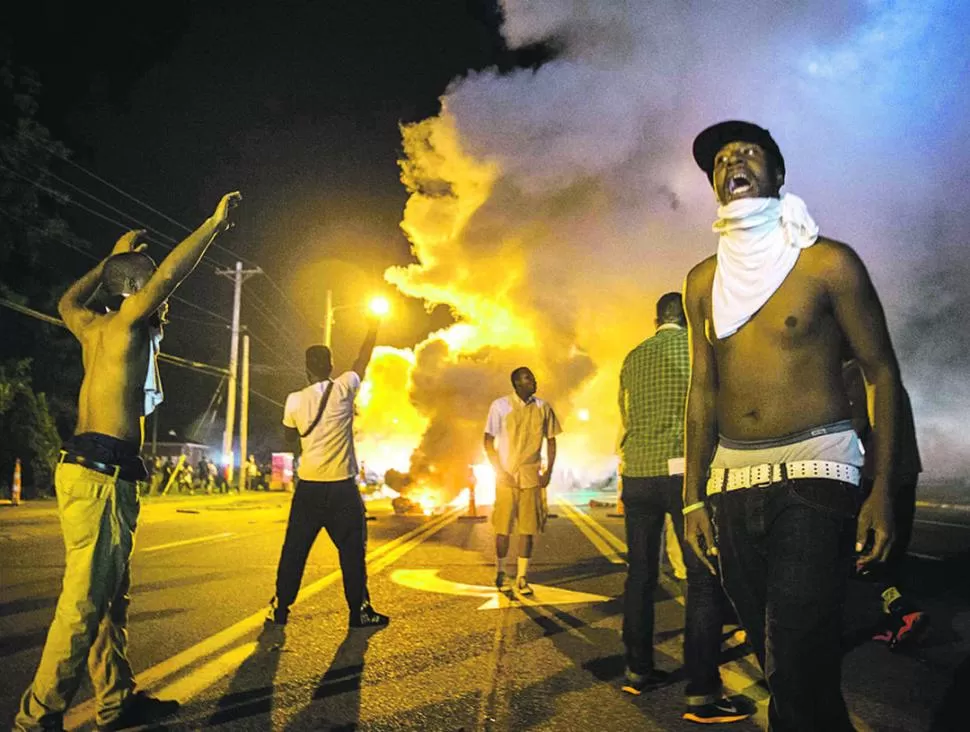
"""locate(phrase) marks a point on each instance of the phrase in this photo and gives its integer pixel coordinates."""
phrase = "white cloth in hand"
(153, 381)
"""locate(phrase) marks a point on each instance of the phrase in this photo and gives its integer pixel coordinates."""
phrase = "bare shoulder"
(832, 255)
(700, 279)
(836, 266)
(89, 324)
(702, 272)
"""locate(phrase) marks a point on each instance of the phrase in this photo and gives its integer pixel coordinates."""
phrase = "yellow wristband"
(693, 507)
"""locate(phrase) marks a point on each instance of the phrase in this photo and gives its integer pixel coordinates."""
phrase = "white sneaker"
(522, 587)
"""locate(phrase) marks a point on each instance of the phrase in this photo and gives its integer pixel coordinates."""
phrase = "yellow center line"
(609, 546)
(376, 560)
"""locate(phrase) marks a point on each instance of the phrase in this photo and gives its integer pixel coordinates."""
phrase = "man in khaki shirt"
(516, 427)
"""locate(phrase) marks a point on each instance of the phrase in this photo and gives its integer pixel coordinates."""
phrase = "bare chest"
(797, 316)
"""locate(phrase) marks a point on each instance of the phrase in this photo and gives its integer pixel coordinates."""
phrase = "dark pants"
(337, 507)
(786, 552)
(645, 502)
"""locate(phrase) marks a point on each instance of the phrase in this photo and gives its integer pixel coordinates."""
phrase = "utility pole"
(328, 322)
(244, 417)
(239, 276)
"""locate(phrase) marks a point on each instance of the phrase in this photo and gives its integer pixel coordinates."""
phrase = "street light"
(379, 306)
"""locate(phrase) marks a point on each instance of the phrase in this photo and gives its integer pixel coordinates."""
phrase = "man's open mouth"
(738, 183)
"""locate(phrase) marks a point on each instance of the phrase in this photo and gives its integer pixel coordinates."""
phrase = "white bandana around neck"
(761, 239)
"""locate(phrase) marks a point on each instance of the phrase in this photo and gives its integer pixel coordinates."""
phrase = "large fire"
(423, 411)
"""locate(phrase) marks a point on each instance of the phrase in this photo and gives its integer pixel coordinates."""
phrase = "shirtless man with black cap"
(771, 455)
(116, 311)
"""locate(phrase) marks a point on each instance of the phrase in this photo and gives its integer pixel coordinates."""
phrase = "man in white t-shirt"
(326, 495)
(516, 427)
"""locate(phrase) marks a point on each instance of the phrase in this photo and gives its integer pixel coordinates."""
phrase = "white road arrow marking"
(429, 581)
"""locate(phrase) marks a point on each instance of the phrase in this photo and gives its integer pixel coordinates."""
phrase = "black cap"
(710, 141)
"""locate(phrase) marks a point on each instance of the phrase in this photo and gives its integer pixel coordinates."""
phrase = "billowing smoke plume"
(551, 208)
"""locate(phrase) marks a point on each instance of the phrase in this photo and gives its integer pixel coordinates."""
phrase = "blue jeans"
(786, 553)
(645, 502)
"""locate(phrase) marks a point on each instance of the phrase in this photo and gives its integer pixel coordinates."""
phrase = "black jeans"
(786, 553)
(337, 507)
(645, 502)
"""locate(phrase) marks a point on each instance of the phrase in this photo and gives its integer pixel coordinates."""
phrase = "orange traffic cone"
(15, 488)
(472, 515)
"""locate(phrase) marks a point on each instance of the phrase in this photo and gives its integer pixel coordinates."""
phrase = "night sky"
(296, 104)
(551, 191)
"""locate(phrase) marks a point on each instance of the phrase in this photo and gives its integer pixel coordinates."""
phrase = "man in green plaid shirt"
(653, 395)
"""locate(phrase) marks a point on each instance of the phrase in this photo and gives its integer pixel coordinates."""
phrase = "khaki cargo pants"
(98, 515)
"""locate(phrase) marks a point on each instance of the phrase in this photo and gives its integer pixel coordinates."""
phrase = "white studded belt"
(752, 476)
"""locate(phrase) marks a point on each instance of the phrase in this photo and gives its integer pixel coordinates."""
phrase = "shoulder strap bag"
(323, 405)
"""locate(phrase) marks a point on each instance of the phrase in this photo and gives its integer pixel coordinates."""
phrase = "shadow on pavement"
(336, 700)
(251, 689)
(12, 644)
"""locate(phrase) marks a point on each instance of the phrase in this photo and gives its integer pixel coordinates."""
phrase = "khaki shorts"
(522, 509)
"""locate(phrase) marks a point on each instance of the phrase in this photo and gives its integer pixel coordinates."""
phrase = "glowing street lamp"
(379, 306)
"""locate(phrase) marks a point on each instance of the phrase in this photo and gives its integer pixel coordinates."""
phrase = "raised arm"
(860, 316)
(700, 432)
(367, 347)
(73, 304)
(178, 264)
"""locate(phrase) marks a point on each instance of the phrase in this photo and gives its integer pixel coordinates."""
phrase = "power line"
(62, 197)
(273, 351)
(275, 323)
(198, 366)
(196, 321)
(167, 357)
(288, 301)
(57, 195)
(95, 258)
(93, 197)
(205, 415)
(130, 197)
(56, 153)
(266, 398)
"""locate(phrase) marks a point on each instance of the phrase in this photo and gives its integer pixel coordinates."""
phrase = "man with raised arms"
(116, 311)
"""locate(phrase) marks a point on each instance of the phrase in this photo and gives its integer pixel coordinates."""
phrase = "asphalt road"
(456, 656)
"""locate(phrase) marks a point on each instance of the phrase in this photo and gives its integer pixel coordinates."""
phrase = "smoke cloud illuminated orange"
(549, 208)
